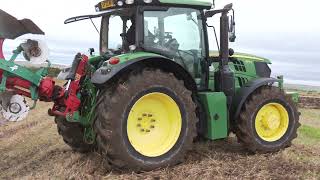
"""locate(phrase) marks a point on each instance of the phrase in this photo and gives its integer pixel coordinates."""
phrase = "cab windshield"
(177, 33)
(117, 31)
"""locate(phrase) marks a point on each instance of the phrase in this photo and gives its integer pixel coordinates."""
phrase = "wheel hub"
(146, 123)
(272, 122)
(154, 124)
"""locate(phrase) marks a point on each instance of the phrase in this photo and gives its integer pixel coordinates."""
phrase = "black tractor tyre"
(245, 125)
(73, 135)
(113, 110)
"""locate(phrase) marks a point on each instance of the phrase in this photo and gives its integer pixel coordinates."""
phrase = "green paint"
(281, 81)
(134, 55)
(249, 57)
(94, 59)
(16, 70)
(44, 71)
(87, 110)
(243, 56)
(34, 92)
(215, 104)
(244, 76)
(89, 135)
(16, 52)
(3, 82)
(207, 3)
(294, 96)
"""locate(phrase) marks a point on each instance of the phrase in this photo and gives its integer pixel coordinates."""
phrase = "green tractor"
(156, 87)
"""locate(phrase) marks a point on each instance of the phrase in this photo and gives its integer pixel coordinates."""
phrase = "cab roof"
(205, 3)
(116, 4)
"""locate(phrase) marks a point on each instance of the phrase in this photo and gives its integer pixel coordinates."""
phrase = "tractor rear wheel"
(147, 121)
(268, 121)
(73, 135)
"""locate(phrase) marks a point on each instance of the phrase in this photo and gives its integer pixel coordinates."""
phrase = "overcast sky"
(286, 31)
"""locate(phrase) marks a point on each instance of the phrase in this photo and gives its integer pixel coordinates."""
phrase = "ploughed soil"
(310, 102)
(32, 149)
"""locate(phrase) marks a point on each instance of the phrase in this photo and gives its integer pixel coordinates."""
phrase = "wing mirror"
(232, 24)
(232, 28)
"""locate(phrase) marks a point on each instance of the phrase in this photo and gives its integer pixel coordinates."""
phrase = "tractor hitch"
(67, 101)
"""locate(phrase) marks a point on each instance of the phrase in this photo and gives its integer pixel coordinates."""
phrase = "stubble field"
(32, 149)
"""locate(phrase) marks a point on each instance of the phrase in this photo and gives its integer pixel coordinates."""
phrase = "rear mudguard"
(243, 94)
(106, 73)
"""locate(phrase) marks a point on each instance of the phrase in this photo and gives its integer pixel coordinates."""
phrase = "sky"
(285, 31)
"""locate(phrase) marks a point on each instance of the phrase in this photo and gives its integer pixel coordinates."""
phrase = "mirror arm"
(226, 9)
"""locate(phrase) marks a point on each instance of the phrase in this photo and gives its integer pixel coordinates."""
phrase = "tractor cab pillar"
(224, 76)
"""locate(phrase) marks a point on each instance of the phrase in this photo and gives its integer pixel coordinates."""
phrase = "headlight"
(129, 1)
(120, 3)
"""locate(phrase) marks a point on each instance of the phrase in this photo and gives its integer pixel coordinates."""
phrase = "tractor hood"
(244, 56)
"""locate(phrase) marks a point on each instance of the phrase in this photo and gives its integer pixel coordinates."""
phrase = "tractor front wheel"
(73, 135)
(147, 121)
(268, 121)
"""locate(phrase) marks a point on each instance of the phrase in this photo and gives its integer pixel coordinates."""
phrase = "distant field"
(305, 90)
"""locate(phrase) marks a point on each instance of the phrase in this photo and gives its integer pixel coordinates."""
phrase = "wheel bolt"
(139, 119)
(149, 115)
(147, 130)
(142, 130)
(144, 114)
(152, 127)
(153, 120)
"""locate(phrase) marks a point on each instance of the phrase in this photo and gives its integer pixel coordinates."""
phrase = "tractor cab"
(155, 31)
(151, 26)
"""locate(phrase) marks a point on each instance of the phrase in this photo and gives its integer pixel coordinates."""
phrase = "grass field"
(32, 149)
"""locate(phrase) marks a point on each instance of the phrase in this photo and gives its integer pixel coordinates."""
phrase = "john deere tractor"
(156, 87)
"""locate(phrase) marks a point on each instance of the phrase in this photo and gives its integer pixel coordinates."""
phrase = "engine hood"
(244, 56)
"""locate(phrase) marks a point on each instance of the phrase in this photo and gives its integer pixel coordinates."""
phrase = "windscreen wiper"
(81, 18)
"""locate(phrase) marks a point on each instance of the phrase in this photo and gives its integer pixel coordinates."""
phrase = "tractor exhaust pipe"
(224, 77)
(224, 39)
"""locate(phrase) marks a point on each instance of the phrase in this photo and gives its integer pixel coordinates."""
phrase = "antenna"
(94, 25)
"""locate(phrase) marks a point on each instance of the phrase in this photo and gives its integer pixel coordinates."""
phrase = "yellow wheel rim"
(154, 124)
(272, 122)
